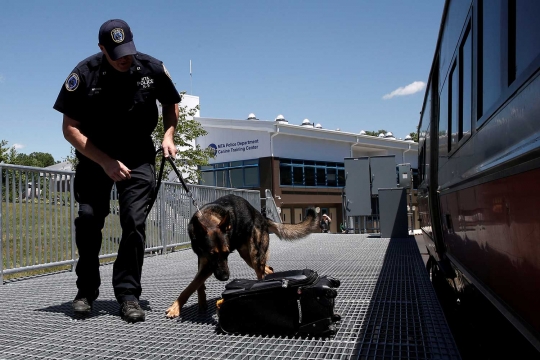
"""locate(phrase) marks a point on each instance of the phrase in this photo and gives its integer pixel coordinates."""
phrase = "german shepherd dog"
(227, 224)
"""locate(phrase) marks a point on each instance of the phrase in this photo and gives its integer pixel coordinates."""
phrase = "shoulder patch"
(166, 72)
(72, 82)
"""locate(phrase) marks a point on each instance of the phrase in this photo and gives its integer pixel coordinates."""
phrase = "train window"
(465, 70)
(443, 121)
(527, 34)
(453, 100)
(490, 52)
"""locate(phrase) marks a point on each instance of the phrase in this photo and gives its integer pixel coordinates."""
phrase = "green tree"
(414, 135)
(189, 155)
(7, 154)
(375, 133)
(72, 158)
(36, 159)
(3, 151)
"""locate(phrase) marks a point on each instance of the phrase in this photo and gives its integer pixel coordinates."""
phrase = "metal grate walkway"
(388, 306)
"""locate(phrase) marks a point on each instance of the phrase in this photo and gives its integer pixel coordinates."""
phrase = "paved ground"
(388, 306)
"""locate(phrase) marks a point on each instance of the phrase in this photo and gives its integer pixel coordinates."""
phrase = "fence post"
(72, 222)
(162, 219)
(1, 227)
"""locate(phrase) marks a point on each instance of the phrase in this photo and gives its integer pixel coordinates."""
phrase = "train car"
(479, 155)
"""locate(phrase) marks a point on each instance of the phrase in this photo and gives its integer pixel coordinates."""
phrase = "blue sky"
(353, 65)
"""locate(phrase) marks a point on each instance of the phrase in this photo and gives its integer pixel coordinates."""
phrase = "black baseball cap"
(117, 38)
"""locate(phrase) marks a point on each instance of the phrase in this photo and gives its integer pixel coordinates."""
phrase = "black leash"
(160, 176)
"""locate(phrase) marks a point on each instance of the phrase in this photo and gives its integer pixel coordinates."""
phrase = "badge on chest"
(145, 82)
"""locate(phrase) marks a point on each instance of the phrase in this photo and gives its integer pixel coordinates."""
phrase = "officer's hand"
(168, 148)
(116, 170)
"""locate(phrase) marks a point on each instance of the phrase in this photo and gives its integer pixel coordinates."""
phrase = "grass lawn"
(36, 233)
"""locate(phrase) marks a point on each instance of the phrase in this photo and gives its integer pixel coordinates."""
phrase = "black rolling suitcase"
(289, 302)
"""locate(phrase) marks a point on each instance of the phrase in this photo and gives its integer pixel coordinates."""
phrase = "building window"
(235, 174)
(285, 173)
(311, 174)
(298, 175)
(321, 176)
(251, 176)
(221, 178)
(208, 178)
(236, 177)
(331, 177)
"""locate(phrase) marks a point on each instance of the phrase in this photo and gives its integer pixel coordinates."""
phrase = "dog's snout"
(221, 272)
(221, 275)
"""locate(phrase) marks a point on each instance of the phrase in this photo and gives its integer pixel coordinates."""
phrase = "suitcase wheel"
(336, 317)
(334, 282)
(332, 330)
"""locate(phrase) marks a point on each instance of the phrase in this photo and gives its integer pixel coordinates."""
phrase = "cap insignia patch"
(72, 82)
(117, 35)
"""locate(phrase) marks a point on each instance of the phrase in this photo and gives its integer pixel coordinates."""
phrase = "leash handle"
(188, 192)
(160, 176)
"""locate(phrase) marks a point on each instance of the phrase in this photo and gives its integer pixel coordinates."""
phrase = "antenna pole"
(190, 78)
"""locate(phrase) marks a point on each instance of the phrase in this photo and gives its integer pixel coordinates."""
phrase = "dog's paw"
(268, 270)
(173, 311)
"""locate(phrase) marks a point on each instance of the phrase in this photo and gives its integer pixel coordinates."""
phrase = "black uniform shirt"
(118, 111)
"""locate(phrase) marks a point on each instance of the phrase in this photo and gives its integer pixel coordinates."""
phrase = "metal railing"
(37, 211)
(271, 207)
(363, 224)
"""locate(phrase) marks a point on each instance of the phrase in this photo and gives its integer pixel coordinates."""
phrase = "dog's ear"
(197, 221)
(224, 223)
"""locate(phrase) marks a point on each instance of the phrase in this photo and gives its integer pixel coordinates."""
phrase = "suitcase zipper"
(299, 311)
(299, 292)
(308, 281)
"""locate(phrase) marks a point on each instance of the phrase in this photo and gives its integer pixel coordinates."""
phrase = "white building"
(302, 164)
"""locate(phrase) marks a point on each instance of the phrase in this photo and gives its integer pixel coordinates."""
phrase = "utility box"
(383, 173)
(357, 200)
(393, 213)
(404, 175)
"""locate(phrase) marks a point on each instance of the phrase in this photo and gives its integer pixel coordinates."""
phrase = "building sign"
(236, 145)
(232, 147)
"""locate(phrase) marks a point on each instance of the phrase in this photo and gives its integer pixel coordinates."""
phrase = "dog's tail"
(295, 231)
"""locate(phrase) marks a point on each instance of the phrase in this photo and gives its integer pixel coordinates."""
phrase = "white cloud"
(406, 90)
(18, 146)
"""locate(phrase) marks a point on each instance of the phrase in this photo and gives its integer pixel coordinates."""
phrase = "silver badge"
(145, 82)
(117, 35)
(72, 82)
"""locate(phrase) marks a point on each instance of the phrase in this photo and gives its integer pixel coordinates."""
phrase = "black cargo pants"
(93, 193)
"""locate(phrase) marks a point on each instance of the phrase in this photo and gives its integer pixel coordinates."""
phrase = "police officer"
(110, 111)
